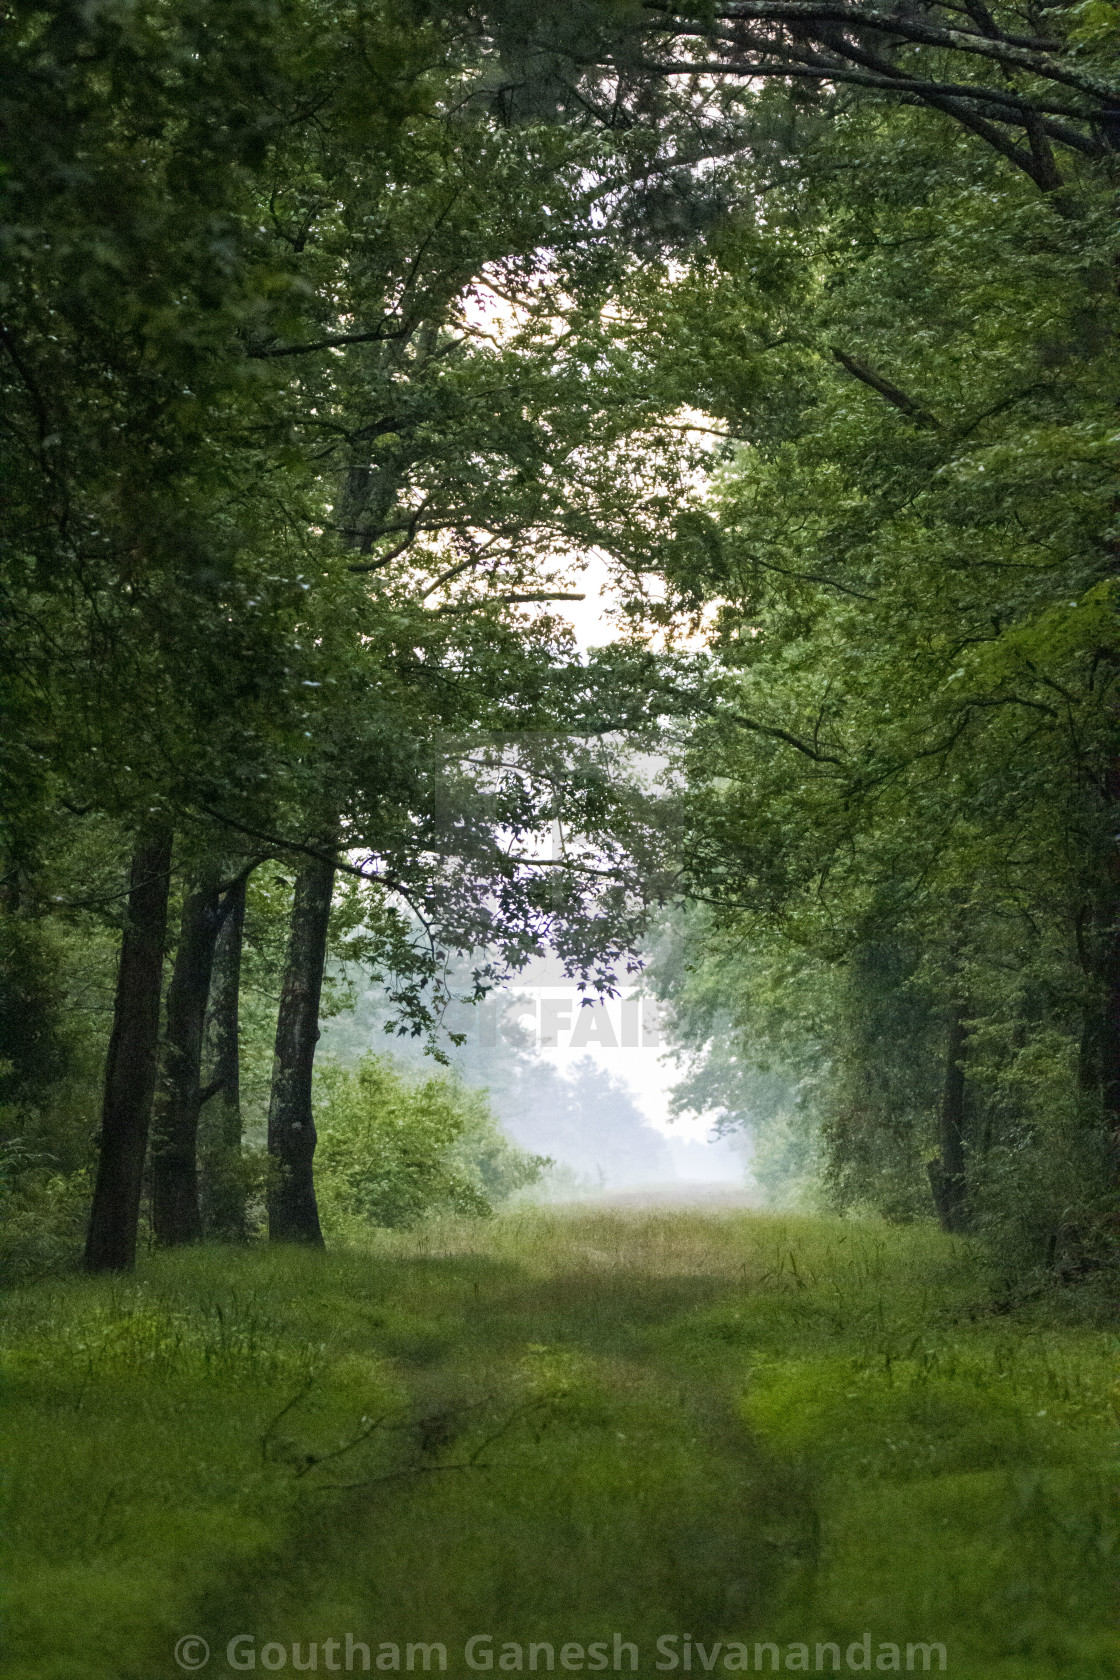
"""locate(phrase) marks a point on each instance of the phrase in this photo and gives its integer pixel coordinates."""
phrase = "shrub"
(394, 1149)
(42, 1210)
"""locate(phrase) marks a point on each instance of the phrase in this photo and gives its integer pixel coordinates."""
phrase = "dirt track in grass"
(552, 1428)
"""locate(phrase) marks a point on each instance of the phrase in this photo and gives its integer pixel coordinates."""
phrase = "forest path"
(552, 1428)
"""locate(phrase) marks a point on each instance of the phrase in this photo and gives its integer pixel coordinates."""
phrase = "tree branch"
(1010, 109)
(777, 735)
(498, 600)
(337, 342)
(1003, 50)
(890, 393)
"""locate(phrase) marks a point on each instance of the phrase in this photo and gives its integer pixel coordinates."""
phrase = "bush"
(42, 1211)
(394, 1149)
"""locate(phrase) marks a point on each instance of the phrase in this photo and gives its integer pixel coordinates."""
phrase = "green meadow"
(720, 1431)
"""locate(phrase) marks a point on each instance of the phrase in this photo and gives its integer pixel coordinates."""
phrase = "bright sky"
(589, 618)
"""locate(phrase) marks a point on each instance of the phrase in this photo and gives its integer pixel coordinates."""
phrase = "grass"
(558, 1427)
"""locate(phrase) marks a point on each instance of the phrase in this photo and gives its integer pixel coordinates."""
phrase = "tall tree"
(176, 1216)
(255, 254)
(293, 1215)
(222, 1189)
(910, 567)
(130, 1069)
(947, 1173)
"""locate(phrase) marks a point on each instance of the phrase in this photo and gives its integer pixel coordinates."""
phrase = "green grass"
(555, 1427)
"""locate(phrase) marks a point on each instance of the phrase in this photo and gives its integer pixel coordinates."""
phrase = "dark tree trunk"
(223, 1192)
(130, 1067)
(1097, 942)
(176, 1217)
(947, 1176)
(1088, 1070)
(1106, 960)
(1110, 1034)
(292, 1212)
(1110, 972)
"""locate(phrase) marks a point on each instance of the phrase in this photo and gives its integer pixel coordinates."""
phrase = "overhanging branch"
(890, 393)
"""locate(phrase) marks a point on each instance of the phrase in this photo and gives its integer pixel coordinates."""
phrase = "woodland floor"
(558, 1427)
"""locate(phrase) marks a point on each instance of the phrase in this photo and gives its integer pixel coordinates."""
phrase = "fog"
(585, 1082)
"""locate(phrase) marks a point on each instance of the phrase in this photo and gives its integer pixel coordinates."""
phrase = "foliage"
(300, 421)
(1044, 102)
(42, 1210)
(56, 977)
(336, 338)
(394, 1149)
(900, 801)
(745, 1029)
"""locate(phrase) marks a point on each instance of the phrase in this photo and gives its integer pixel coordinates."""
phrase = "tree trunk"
(1110, 970)
(292, 1212)
(176, 1217)
(1110, 1035)
(130, 1067)
(947, 1176)
(223, 1192)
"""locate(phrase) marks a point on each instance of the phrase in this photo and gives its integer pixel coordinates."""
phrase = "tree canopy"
(336, 340)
